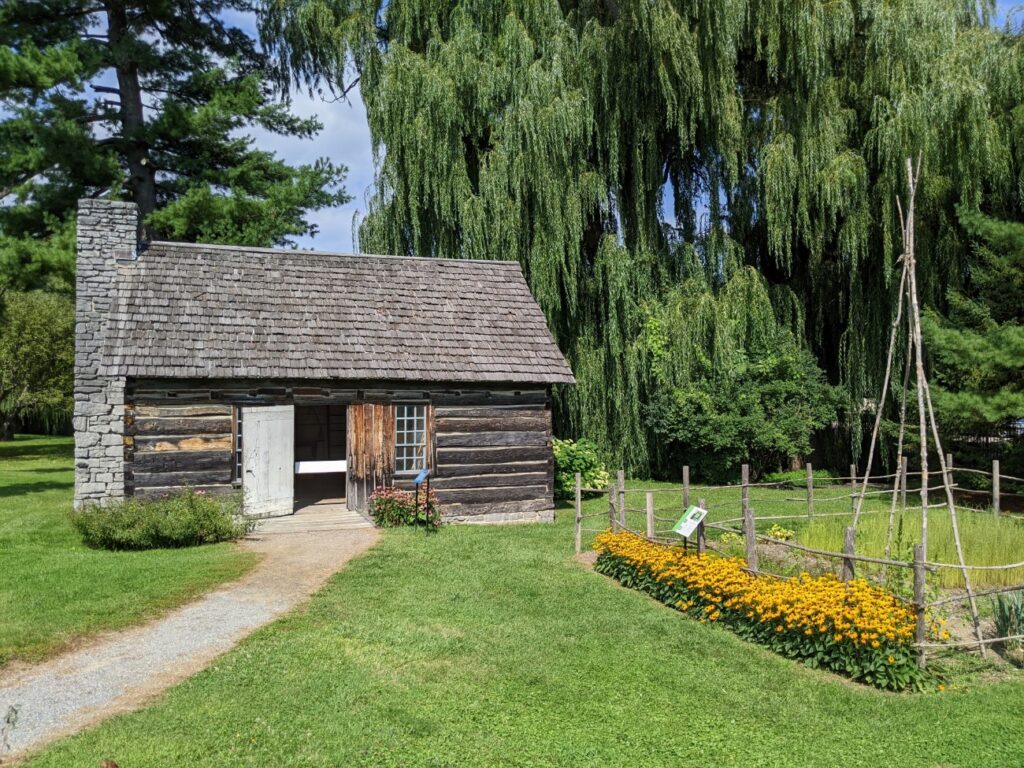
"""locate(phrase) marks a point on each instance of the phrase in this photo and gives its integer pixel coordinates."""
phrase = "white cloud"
(345, 140)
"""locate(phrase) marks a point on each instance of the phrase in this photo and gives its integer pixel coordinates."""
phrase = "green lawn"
(53, 589)
(491, 646)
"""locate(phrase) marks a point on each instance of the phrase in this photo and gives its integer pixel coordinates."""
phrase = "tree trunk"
(6, 427)
(142, 175)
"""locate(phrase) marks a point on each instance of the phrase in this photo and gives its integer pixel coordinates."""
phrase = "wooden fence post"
(995, 486)
(579, 512)
(903, 483)
(748, 520)
(810, 491)
(621, 475)
(853, 486)
(650, 515)
(949, 469)
(702, 542)
(849, 542)
(686, 487)
(613, 522)
(919, 576)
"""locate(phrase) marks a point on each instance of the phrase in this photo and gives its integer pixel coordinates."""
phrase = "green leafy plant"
(578, 456)
(186, 519)
(779, 533)
(37, 353)
(393, 507)
(1008, 613)
(797, 476)
(758, 407)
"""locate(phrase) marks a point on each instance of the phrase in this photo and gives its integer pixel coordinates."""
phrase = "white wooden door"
(268, 459)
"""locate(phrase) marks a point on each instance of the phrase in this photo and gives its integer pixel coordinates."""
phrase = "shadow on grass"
(18, 489)
(26, 447)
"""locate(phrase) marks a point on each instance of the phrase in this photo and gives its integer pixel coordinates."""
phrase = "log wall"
(494, 462)
(168, 447)
(489, 448)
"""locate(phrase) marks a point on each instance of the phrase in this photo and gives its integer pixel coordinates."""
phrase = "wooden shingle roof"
(204, 311)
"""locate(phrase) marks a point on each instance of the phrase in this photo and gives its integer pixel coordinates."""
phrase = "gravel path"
(123, 670)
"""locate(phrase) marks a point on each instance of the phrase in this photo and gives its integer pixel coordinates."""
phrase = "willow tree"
(613, 148)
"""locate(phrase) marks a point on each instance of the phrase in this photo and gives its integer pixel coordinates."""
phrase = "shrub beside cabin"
(300, 375)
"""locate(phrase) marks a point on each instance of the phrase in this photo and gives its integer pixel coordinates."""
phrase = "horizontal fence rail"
(619, 513)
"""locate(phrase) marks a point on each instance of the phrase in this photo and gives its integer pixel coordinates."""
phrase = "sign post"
(692, 517)
(423, 476)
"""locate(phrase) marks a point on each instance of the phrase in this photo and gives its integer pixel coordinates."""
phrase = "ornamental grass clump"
(851, 628)
(393, 507)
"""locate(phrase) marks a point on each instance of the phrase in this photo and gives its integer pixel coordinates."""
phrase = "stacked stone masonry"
(107, 233)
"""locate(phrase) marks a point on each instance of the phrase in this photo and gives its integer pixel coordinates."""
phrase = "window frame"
(236, 446)
(417, 425)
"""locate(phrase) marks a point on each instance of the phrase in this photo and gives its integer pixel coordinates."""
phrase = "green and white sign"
(689, 521)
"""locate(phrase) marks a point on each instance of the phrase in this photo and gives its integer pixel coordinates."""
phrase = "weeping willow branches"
(619, 150)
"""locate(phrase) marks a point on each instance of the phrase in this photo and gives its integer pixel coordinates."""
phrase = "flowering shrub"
(392, 507)
(853, 629)
(572, 457)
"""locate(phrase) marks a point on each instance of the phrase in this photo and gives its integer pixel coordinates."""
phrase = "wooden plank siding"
(371, 451)
(489, 448)
(168, 447)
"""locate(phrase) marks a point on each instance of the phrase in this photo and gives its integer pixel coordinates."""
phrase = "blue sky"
(345, 139)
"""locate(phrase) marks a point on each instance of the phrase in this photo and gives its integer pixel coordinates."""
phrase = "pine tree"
(978, 346)
(147, 100)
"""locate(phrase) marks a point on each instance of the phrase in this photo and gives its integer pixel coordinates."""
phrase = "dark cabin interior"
(319, 436)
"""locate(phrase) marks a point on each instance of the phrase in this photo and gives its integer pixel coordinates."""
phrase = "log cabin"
(292, 375)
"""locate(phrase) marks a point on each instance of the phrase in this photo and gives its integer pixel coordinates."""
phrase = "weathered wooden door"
(268, 459)
(371, 451)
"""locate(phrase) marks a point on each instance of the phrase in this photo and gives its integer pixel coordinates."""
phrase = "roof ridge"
(313, 252)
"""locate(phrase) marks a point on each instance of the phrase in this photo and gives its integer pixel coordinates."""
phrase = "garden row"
(852, 628)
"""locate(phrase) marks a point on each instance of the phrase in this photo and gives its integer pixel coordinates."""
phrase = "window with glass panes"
(410, 437)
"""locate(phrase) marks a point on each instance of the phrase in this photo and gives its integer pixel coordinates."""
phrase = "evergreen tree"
(551, 132)
(147, 100)
(978, 347)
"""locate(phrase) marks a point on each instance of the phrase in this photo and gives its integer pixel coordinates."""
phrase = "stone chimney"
(108, 232)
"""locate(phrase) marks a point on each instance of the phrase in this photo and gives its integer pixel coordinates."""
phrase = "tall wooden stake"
(810, 491)
(650, 515)
(613, 518)
(748, 519)
(995, 486)
(702, 542)
(880, 405)
(924, 401)
(686, 487)
(921, 631)
(579, 512)
(621, 476)
(849, 539)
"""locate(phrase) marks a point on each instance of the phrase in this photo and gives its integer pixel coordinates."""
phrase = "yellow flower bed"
(852, 628)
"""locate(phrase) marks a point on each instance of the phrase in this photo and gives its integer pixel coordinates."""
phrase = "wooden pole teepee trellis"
(908, 295)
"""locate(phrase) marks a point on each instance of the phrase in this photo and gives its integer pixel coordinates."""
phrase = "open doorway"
(320, 454)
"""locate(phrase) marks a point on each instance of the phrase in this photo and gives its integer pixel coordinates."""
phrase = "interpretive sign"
(689, 521)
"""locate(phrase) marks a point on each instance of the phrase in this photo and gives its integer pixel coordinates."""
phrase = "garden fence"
(657, 528)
